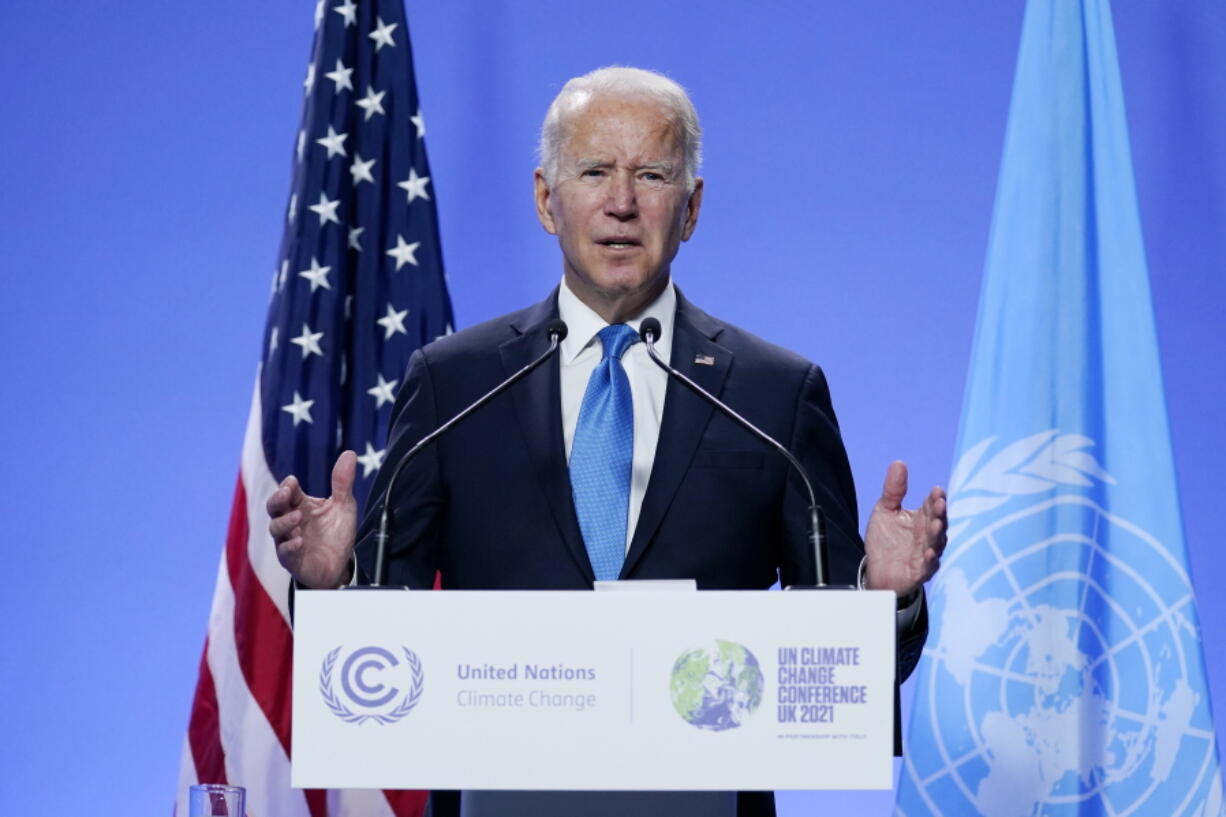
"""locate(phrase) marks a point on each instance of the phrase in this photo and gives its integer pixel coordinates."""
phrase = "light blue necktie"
(601, 454)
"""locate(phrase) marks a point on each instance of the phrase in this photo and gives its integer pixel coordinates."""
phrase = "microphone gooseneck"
(649, 331)
(556, 330)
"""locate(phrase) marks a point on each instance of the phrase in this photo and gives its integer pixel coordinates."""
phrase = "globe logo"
(716, 687)
(1063, 672)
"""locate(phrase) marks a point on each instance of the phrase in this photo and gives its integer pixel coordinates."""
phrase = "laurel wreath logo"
(338, 708)
(1031, 465)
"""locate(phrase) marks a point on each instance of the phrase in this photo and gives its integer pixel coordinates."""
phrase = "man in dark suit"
(597, 466)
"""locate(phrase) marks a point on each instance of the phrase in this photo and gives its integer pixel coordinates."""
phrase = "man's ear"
(692, 208)
(541, 193)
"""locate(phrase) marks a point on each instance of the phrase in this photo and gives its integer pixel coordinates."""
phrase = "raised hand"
(904, 547)
(314, 537)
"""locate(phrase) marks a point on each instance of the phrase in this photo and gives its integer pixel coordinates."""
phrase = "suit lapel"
(685, 418)
(538, 407)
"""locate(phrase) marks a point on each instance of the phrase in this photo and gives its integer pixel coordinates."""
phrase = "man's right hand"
(315, 537)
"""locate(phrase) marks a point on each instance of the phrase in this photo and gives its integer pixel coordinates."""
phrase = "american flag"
(358, 286)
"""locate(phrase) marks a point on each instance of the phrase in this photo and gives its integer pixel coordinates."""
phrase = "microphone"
(556, 329)
(649, 332)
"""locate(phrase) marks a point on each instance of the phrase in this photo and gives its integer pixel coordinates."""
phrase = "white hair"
(619, 81)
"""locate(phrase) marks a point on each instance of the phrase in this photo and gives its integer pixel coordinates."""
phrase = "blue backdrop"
(852, 155)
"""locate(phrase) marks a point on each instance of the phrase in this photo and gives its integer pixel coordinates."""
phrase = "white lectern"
(576, 691)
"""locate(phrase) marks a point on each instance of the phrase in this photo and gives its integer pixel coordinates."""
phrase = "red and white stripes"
(239, 730)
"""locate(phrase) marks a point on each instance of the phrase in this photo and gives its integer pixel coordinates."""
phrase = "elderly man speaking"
(597, 466)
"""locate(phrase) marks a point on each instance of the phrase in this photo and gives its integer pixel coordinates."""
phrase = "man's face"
(619, 204)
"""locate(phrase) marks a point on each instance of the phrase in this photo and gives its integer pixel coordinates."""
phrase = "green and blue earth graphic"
(716, 687)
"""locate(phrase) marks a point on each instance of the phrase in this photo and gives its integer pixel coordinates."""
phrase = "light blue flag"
(1064, 674)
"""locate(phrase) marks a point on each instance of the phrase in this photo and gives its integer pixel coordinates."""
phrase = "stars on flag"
(382, 35)
(348, 10)
(403, 252)
(334, 142)
(326, 209)
(317, 275)
(309, 342)
(360, 170)
(382, 391)
(341, 77)
(393, 322)
(372, 103)
(345, 315)
(300, 409)
(415, 186)
(372, 460)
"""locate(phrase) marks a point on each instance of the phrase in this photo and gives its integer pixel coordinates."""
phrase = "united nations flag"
(1064, 673)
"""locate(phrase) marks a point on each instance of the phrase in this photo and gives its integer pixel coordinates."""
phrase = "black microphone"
(649, 331)
(556, 329)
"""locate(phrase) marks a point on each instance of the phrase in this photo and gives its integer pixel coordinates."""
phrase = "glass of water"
(217, 800)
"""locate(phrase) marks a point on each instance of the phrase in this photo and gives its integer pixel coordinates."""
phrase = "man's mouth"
(618, 243)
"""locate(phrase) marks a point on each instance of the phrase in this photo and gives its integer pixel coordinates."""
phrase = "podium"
(569, 691)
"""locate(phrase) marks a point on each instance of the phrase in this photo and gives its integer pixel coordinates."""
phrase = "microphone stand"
(557, 332)
(650, 332)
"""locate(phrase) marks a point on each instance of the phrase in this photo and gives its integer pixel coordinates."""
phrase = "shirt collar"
(583, 324)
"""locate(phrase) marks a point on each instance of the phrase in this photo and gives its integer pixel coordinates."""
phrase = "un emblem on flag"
(375, 685)
(1063, 675)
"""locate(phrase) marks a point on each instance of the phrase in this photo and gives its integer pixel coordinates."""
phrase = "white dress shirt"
(581, 351)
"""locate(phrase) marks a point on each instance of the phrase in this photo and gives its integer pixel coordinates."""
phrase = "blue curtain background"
(852, 155)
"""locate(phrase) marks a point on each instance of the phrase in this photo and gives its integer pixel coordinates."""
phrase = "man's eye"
(593, 173)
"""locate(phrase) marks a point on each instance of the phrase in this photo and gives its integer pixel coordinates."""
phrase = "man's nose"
(621, 202)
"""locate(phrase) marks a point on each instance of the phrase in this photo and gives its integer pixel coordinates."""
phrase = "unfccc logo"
(378, 685)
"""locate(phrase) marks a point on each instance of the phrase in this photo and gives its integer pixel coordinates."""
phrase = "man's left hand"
(904, 547)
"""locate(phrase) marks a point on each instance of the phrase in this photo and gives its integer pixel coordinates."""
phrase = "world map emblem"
(716, 687)
(1062, 675)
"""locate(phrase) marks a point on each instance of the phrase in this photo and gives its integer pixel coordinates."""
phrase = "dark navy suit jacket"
(489, 505)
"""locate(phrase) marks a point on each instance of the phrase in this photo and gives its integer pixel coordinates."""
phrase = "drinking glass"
(217, 800)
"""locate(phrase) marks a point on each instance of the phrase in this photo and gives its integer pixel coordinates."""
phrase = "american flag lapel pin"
(704, 360)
